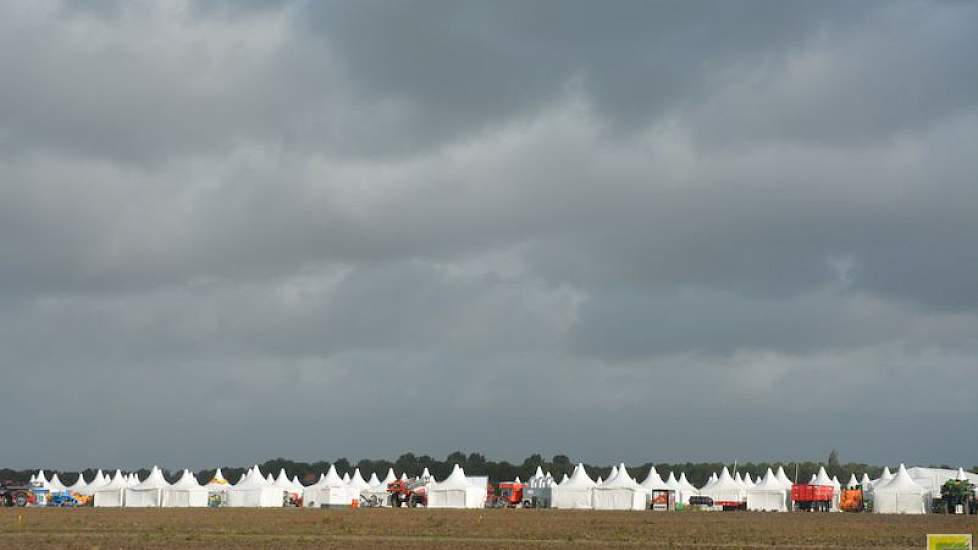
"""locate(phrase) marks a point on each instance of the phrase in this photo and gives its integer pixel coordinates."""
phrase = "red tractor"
(16, 494)
(410, 493)
(510, 495)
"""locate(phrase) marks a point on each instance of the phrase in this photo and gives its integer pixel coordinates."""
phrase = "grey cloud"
(538, 219)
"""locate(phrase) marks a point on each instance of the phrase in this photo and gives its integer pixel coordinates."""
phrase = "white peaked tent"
(538, 474)
(673, 484)
(330, 490)
(98, 481)
(614, 471)
(187, 492)
(42, 480)
(853, 483)
(358, 484)
(404, 476)
(619, 492)
(575, 491)
(79, 485)
(254, 491)
(783, 478)
(456, 491)
(113, 493)
(149, 492)
(866, 483)
(931, 479)
(725, 489)
(33, 479)
(284, 483)
(132, 479)
(900, 496)
(297, 485)
(599, 481)
(653, 482)
(739, 480)
(822, 478)
(390, 477)
(270, 479)
(885, 478)
(425, 474)
(748, 482)
(767, 495)
(563, 479)
(346, 478)
(686, 489)
(55, 485)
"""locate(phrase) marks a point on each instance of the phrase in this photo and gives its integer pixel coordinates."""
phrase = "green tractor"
(957, 497)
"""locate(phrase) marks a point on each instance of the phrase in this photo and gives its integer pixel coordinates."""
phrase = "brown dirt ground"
(372, 528)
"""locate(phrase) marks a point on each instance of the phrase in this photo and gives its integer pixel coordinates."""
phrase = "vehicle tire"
(20, 499)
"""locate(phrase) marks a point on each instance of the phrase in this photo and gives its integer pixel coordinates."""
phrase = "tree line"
(502, 470)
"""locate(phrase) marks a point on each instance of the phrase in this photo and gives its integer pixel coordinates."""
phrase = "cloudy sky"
(632, 231)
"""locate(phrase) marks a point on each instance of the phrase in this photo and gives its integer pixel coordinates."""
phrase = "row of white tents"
(907, 491)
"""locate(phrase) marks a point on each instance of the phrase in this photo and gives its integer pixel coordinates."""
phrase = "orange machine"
(510, 495)
(852, 500)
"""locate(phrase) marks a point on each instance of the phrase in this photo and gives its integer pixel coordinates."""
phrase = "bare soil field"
(414, 529)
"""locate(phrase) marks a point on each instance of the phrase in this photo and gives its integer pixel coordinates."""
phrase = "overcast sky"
(626, 231)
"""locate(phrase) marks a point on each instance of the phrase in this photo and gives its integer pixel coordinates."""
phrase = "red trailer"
(812, 497)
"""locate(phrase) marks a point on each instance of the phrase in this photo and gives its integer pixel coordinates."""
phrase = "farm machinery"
(852, 501)
(407, 492)
(508, 495)
(957, 497)
(17, 494)
(812, 498)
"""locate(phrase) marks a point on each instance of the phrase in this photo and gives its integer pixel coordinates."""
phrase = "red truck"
(809, 497)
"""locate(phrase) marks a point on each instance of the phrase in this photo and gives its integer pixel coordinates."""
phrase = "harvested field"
(248, 528)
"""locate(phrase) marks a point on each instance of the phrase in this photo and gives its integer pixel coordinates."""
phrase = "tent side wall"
(150, 498)
(572, 498)
(105, 499)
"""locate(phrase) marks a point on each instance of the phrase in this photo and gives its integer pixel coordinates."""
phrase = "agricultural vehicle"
(812, 498)
(510, 495)
(852, 500)
(17, 494)
(410, 493)
(62, 499)
(957, 497)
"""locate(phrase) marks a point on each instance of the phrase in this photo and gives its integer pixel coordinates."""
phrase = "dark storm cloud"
(543, 219)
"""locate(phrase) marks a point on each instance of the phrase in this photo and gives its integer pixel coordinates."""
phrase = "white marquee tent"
(725, 489)
(98, 481)
(456, 491)
(55, 485)
(783, 478)
(330, 490)
(686, 489)
(113, 493)
(79, 485)
(357, 484)
(575, 492)
(900, 496)
(931, 479)
(187, 492)
(767, 495)
(149, 492)
(255, 491)
(619, 492)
